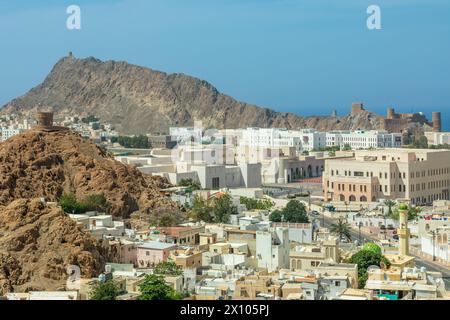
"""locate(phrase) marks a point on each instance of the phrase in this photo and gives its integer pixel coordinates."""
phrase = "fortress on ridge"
(397, 122)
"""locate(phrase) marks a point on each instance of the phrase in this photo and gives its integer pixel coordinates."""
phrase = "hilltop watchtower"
(45, 119)
(45, 122)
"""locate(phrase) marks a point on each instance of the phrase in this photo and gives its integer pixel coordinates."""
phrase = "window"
(216, 183)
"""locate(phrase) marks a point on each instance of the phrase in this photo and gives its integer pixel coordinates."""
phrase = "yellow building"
(416, 175)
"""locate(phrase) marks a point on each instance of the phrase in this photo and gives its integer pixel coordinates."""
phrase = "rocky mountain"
(140, 100)
(37, 245)
(46, 164)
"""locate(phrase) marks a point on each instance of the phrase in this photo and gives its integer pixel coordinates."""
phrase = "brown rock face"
(38, 243)
(47, 164)
(139, 100)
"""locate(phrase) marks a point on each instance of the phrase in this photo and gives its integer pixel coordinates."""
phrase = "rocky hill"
(140, 100)
(47, 164)
(39, 243)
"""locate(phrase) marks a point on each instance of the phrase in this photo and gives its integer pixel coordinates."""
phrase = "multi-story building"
(151, 253)
(186, 134)
(361, 139)
(8, 132)
(305, 257)
(272, 248)
(437, 138)
(417, 175)
(301, 140)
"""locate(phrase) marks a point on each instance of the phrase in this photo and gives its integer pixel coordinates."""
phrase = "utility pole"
(309, 200)
(359, 232)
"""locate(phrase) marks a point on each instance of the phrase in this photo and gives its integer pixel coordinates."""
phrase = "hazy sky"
(305, 56)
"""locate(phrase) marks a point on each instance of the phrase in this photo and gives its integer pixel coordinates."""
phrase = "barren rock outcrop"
(47, 164)
(38, 243)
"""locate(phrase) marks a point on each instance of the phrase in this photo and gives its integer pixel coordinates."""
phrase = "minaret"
(403, 231)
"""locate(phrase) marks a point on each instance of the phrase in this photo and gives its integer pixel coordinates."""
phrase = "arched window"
(352, 198)
(341, 197)
(363, 199)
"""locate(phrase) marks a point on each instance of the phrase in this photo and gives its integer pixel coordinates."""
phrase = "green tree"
(89, 119)
(194, 185)
(390, 204)
(347, 147)
(162, 217)
(365, 259)
(169, 268)
(420, 143)
(201, 209)
(70, 204)
(370, 246)
(252, 204)
(99, 290)
(295, 212)
(137, 142)
(222, 209)
(154, 287)
(341, 228)
(413, 213)
(276, 216)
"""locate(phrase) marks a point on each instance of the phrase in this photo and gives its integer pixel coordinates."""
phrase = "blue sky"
(304, 56)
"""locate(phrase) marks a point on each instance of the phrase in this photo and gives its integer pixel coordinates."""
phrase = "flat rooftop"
(156, 245)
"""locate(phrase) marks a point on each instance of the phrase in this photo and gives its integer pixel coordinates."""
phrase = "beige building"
(417, 175)
(187, 258)
(251, 287)
(308, 257)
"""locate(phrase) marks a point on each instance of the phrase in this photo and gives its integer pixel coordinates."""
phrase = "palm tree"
(389, 204)
(341, 229)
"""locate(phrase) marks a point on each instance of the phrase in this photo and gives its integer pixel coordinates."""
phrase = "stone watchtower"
(45, 122)
(357, 107)
(436, 121)
(45, 119)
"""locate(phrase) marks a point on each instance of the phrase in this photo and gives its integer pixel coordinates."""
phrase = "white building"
(298, 232)
(213, 166)
(437, 244)
(272, 249)
(8, 132)
(301, 140)
(437, 138)
(99, 225)
(361, 139)
(186, 134)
